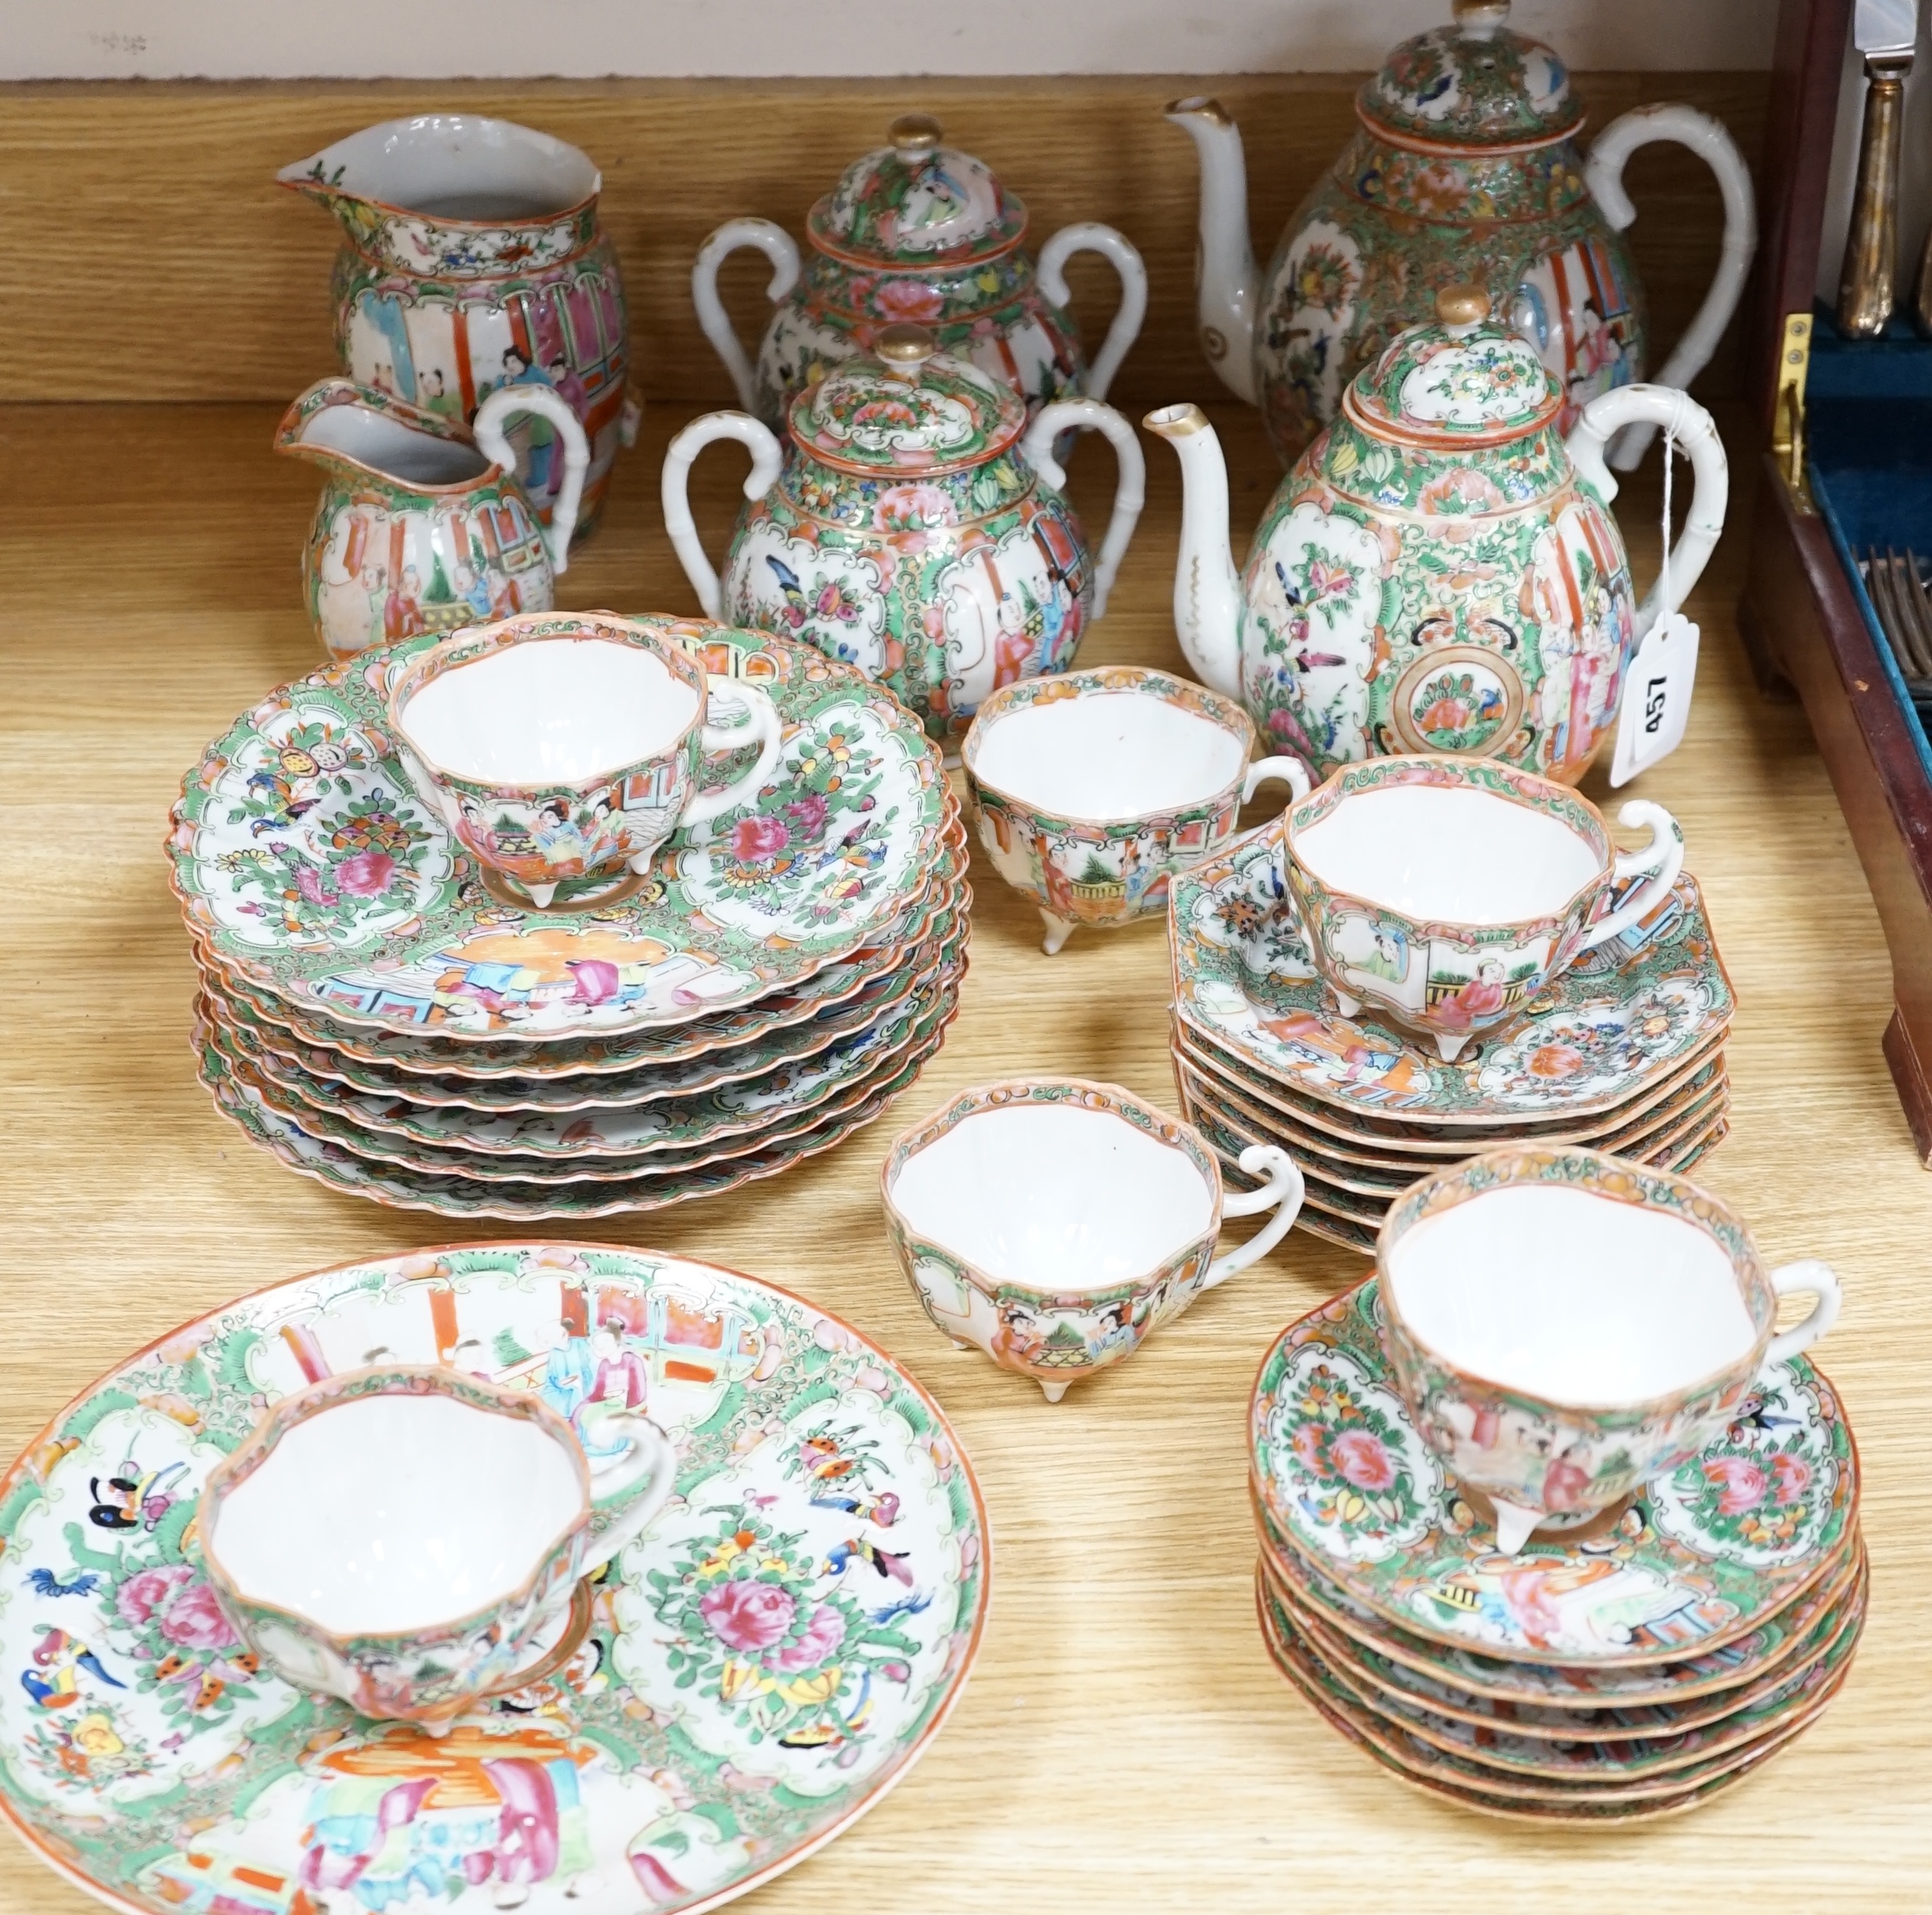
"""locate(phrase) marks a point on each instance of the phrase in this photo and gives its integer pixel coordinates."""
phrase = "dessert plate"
(752, 1121)
(312, 870)
(1615, 1025)
(1704, 1556)
(1418, 1764)
(1578, 1753)
(1558, 1702)
(291, 1060)
(768, 1660)
(462, 1196)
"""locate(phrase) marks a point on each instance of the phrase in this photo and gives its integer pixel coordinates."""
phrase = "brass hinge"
(1787, 417)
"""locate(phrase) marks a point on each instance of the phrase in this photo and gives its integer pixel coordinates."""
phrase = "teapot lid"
(1459, 381)
(905, 407)
(914, 202)
(1474, 83)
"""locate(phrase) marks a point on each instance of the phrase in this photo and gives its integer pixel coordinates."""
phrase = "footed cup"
(1055, 1222)
(1446, 892)
(1566, 1326)
(413, 1539)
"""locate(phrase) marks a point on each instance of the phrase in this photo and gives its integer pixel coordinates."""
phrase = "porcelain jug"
(921, 232)
(423, 525)
(474, 262)
(913, 527)
(1439, 572)
(1465, 168)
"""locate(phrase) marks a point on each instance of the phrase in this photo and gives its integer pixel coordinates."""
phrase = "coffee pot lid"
(1473, 84)
(908, 409)
(1460, 380)
(915, 203)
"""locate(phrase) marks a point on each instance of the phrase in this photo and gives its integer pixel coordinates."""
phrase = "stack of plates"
(1649, 1660)
(380, 1019)
(1624, 1052)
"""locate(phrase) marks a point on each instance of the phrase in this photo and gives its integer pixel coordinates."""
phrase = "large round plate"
(1614, 1025)
(1703, 1556)
(767, 1660)
(312, 871)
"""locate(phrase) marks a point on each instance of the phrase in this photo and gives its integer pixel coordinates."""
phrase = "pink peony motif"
(1744, 1484)
(366, 874)
(311, 886)
(819, 1643)
(194, 1620)
(909, 299)
(1791, 1477)
(808, 814)
(1564, 1486)
(748, 1617)
(912, 509)
(1306, 1445)
(754, 839)
(141, 1597)
(1358, 1454)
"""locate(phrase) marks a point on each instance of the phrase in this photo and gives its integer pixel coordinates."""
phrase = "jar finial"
(913, 135)
(1462, 305)
(904, 348)
(1481, 19)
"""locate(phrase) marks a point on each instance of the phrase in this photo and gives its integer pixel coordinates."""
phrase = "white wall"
(430, 39)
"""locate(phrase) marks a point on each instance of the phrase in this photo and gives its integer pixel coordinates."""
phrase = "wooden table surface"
(1124, 1741)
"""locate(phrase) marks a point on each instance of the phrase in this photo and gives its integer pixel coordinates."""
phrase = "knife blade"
(1886, 32)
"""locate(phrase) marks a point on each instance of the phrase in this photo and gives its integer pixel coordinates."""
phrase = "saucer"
(1614, 1024)
(311, 870)
(765, 1663)
(1701, 1559)
(1582, 1754)
(463, 1196)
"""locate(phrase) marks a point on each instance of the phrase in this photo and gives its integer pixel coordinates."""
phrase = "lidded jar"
(913, 526)
(918, 232)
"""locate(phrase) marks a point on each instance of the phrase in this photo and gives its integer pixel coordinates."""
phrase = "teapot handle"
(1694, 430)
(766, 459)
(506, 402)
(1129, 488)
(1604, 174)
(779, 247)
(1091, 237)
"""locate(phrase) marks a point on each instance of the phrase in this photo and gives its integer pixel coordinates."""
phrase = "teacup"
(561, 747)
(1566, 1326)
(1092, 788)
(1447, 892)
(414, 1539)
(1055, 1222)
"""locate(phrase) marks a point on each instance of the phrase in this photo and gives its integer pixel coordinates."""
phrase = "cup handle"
(765, 728)
(631, 1490)
(1807, 1278)
(1283, 1192)
(1663, 856)
(1289, 771)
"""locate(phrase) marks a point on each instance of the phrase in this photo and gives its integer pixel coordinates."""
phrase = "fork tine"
(1921, 612)
(1879, 581)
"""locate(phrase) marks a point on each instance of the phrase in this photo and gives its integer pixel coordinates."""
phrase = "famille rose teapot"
(474, 263)
(919, 233)
(914, 527)
(423, 525)
(1465, 168)
(1439, 572)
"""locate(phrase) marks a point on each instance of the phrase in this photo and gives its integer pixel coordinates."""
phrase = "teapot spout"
(1207, 587)
(1225, 273)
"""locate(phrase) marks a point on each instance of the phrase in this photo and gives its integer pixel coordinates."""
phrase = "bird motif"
(856, 1549)
(60, 1654)
(795, 608)
(882, 1508)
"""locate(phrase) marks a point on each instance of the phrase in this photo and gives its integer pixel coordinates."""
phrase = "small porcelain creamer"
(423, 526)
(473, 261)
(914, 527)
(1465, 167)
(1439, 572)
(919, 231)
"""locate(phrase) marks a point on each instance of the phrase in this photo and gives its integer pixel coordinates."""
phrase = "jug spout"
(1207, 587)
(355, 431)
(1225, 290)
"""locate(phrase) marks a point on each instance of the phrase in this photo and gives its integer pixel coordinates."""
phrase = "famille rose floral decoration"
(918, 231)
(423, 525)
(913, 526)
(1465, 167)
(772, 1655)
(472, 263)
(1439, 572)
